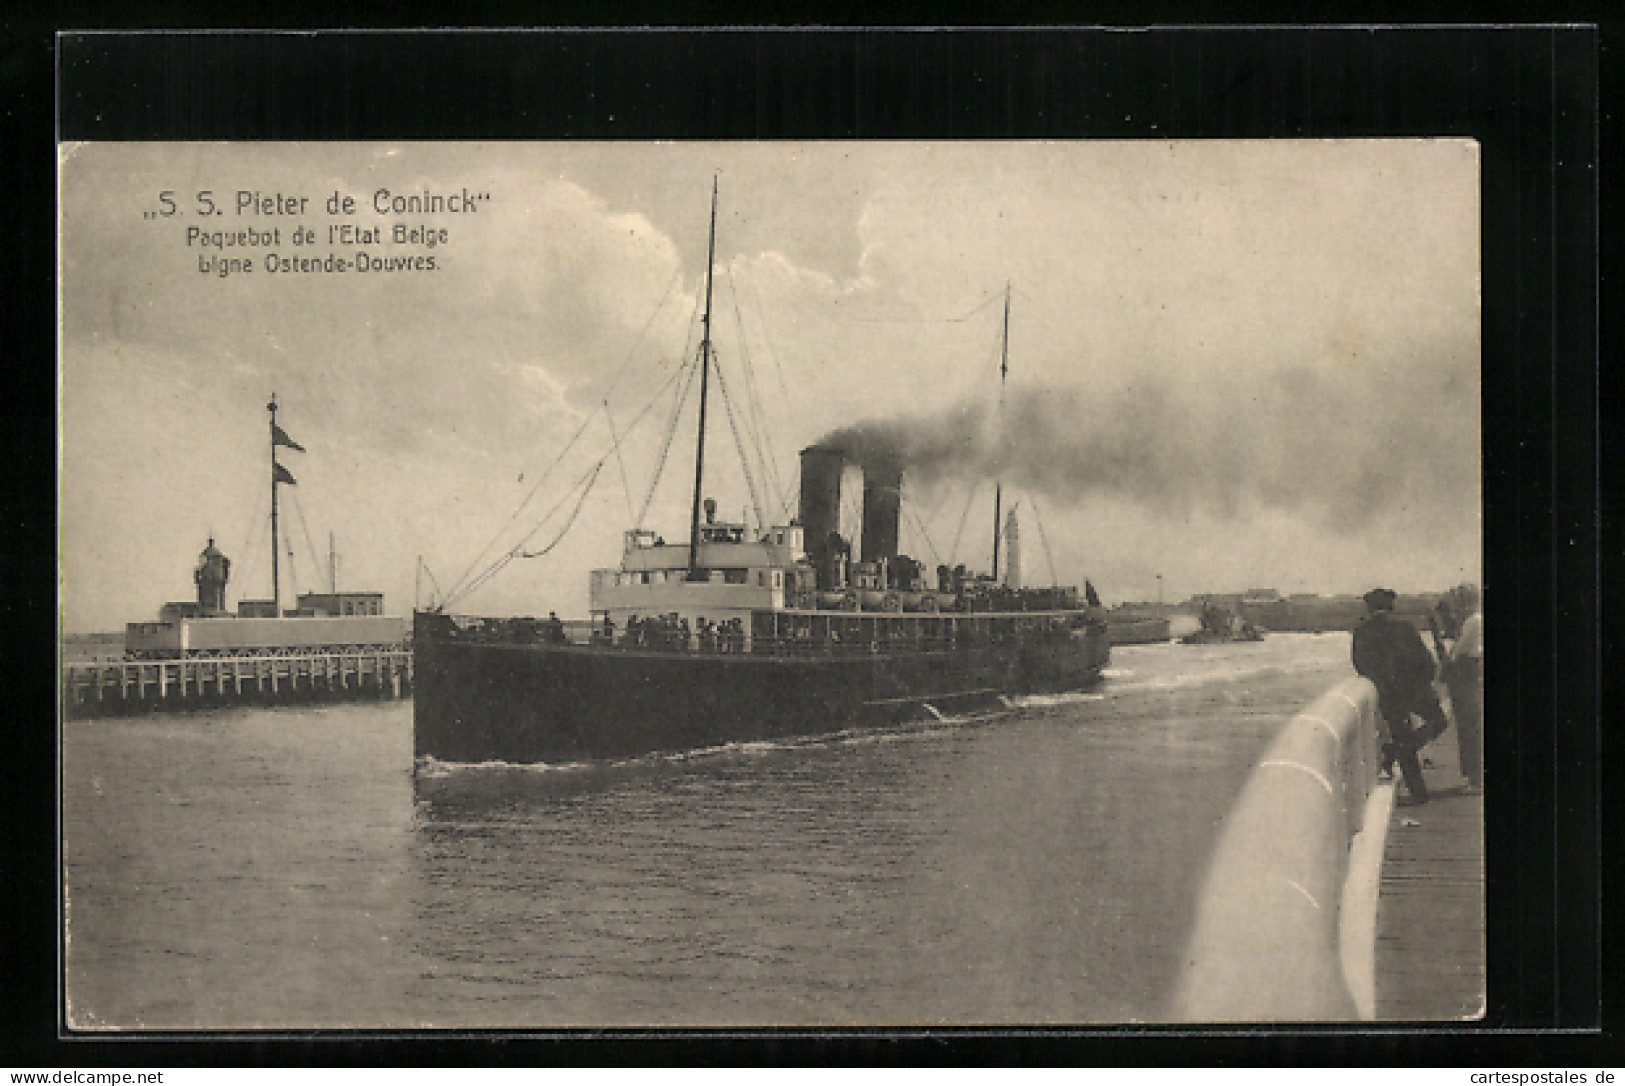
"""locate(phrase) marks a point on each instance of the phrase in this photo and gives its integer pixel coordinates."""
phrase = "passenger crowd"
(673, 633)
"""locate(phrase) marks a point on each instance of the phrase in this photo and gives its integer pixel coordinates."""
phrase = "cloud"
(1277, 341)
(1344, 452)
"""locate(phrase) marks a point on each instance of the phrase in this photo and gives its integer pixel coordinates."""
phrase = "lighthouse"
(212, 573)
(1012, 550)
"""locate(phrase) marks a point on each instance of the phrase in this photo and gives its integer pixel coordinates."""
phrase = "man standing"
(1464, 677)
(1391, 654)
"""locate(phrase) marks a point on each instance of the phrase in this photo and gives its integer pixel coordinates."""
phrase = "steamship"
(741, 636)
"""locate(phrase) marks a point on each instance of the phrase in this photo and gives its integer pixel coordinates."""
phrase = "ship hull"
(528, 703)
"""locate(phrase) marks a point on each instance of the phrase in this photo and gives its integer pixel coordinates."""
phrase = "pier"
(123, 687)
(1329, 900)
(1429, 953)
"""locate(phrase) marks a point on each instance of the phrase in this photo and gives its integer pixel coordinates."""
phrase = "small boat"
(1219, 625)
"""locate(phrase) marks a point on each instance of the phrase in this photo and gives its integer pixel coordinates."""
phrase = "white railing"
(1267, 944)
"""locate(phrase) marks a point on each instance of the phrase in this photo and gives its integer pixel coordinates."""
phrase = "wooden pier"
(122, 687)
(1430, 906)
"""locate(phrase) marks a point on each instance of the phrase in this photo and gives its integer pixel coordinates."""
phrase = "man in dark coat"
(1391, 654)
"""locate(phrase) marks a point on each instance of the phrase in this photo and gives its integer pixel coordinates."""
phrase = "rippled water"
(285, 868)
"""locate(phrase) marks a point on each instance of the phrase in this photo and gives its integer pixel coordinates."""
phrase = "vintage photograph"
(576, 585)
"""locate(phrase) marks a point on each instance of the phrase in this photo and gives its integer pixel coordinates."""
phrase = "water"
(283, 869)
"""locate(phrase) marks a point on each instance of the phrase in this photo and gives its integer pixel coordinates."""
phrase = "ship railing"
(909, 643)
(517, 630)
(861, 639)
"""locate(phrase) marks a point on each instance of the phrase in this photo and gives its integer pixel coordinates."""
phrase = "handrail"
(1265, 945)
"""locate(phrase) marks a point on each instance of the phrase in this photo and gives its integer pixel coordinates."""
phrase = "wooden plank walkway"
(1430, 904)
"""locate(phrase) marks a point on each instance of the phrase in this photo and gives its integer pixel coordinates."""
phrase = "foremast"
(694, 573)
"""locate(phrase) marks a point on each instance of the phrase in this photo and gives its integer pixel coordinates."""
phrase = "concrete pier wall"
(1266, 942)
(125, 687)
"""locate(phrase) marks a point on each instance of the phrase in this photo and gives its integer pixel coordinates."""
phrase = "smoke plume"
(1340, 448)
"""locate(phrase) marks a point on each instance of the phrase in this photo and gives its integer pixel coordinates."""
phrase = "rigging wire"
(293, 569)
(1054, 579)
(517, 550)
(626, 485)
(643, 332)
(744, 460)
(936, 559)
(248, 548)
(787, 495)
(459, 591)
(977, 308)
(249, 570)
(790, 495)
(480, 555)
(434, 601)
(315, 561)
(953, 552)
(754, 416)
(688, 371)
(591, 480)
(767, 339)
(676, 413)
(585, 422)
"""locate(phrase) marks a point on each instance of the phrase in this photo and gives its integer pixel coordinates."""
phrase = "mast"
(705, 373)
(1004, 371)
(276, 571)
(332, 566)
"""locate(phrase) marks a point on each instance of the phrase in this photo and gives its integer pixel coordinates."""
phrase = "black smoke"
(1342, 447)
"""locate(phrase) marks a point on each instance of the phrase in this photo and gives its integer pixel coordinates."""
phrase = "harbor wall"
(1266, 944)
(1138, 630)
(97, 688)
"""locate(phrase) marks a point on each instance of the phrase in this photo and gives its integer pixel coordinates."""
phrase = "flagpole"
(276, 578)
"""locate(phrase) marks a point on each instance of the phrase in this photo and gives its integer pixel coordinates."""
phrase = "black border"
(1528, 94)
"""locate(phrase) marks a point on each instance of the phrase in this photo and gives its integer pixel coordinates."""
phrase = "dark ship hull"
(484, 701)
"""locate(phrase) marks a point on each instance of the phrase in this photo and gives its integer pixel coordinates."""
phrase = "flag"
(280, 474)
(279, 436)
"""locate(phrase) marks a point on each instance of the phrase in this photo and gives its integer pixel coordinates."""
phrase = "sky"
(1230, 364)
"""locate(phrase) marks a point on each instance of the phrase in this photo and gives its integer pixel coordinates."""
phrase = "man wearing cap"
(1391, 654)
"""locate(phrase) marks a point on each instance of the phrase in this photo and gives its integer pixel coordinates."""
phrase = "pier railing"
(112, 687)
(1266, 945)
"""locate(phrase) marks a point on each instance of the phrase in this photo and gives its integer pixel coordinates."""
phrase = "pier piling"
(122, 687)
